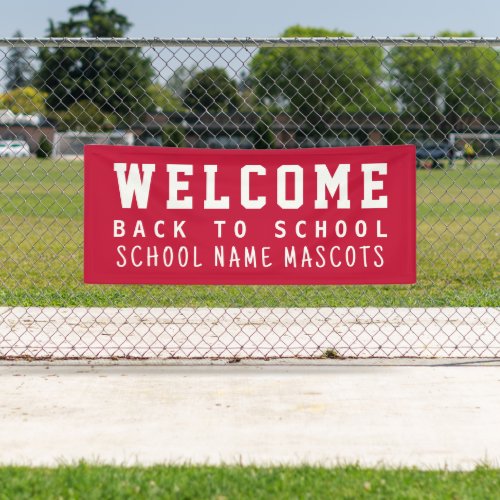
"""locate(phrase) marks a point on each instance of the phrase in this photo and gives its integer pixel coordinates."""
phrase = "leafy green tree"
(26, 100)
(113, 79)
(417, 80)
(449, 82)
(19, 66)
(85, 116)
(44, 148)
(263, 136)
(177, 81)
(311, 81)
(472, 80)
(161, 98)
(172, 136)
(212, 91)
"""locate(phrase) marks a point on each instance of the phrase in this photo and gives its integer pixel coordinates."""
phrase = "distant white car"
(14, 149)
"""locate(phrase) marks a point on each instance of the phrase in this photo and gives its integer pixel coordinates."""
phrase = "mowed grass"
(41, 247)
(225, 483)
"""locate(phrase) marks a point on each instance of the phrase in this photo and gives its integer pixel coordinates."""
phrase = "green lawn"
(219, 483)
(41, 247)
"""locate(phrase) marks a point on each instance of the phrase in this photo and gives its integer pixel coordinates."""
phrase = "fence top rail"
(253, 42)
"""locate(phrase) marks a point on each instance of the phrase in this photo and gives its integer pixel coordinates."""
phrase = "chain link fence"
(441, 94)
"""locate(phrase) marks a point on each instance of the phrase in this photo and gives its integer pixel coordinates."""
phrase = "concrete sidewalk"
(401, 412)
(279, 332)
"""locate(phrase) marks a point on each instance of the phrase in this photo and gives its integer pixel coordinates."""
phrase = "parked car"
(429, 153)
(14, 149)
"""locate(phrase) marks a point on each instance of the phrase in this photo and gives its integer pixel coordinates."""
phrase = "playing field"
(41, 247)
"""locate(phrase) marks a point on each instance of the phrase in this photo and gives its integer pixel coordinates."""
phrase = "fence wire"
(441, 94)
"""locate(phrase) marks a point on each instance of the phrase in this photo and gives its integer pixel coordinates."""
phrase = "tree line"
(101, 88)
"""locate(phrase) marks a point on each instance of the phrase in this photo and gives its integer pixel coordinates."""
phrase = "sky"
(267, 18)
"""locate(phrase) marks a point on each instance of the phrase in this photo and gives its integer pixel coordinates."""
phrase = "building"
(29, 128)
(240, 130)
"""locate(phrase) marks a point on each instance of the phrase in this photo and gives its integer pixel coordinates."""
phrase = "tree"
(434, 83)
(311, 81)
(417, 81)
(176, 83)
(113, 79)
(84, 116)
(172, 136)
(44, 148)
(212, 91)
(262, 135)
(19, 66)
(26, 100)
(161, 98)
(472, 80)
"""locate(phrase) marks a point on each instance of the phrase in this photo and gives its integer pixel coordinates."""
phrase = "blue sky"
(228, 18)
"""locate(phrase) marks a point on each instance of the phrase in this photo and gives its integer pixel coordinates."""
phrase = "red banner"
(298, 216)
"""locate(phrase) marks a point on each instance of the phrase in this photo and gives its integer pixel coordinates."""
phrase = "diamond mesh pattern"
(439, 93)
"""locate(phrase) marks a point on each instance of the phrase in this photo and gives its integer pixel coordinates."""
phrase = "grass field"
(220, 483)
(41, 247)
